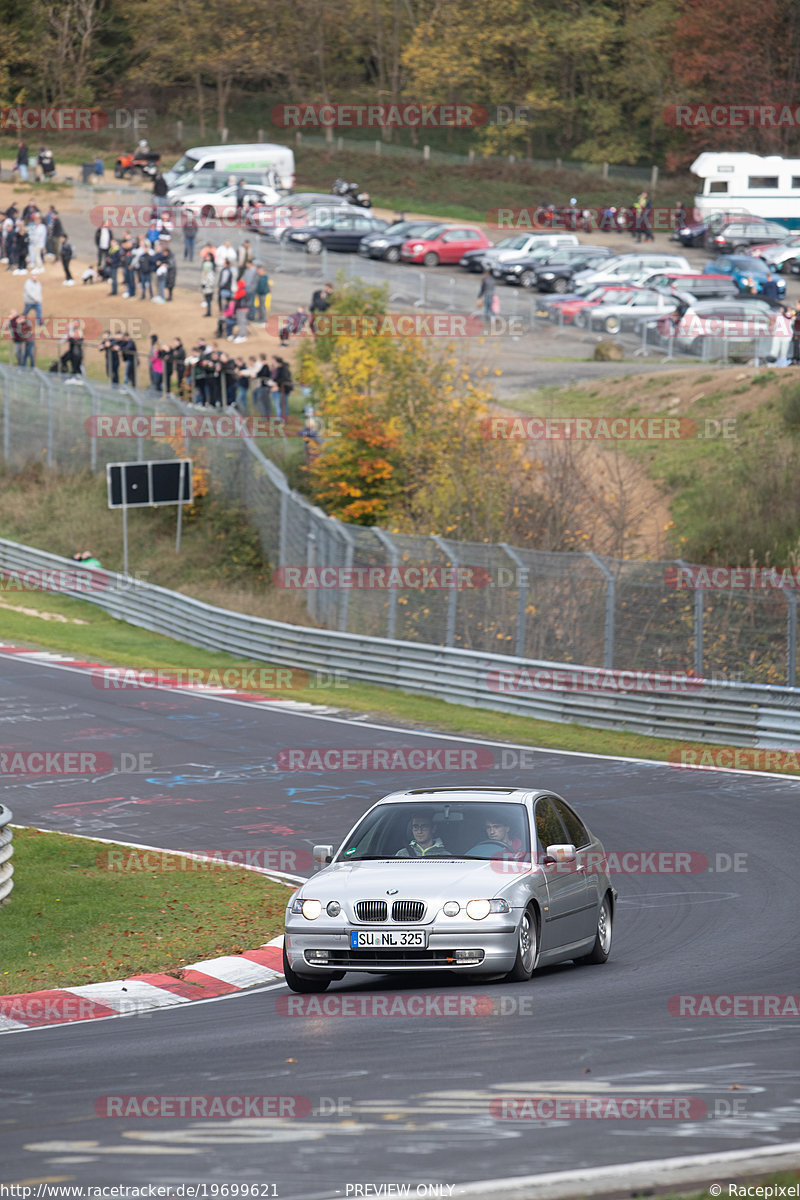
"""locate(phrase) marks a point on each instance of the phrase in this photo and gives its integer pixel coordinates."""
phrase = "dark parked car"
(702, 287)
(693, 233)
(556, 274)
(340, 233)
(525, 270)
(737, 236)
(387, 243)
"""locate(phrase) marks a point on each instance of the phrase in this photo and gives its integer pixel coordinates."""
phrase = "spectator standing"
(249, 276)
(241, 308)
(21, 248)
(225, 287)
(98, 169)
(320, 303)
(179, 361)
(208, 276)
(32, 298)
(171, 275)
(102, 240)
(160, 190)
(144, 268)
(21, 163)
(262, 297)
(190, 227)
(127, 348)
(66, 259)
(282, 377)
(37, 239)
(486, 294)
(112, 265)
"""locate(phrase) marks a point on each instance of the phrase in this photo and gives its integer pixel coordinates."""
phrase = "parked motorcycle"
(352, 193)
(144, 161)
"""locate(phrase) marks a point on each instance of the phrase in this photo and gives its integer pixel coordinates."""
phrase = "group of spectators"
(44, 162)
(27, 236)
(140, 260)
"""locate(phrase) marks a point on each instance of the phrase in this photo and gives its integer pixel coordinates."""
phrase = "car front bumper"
(491, 951)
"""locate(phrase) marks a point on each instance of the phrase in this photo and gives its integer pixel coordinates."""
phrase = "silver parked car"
(492, 881)
(628, 311)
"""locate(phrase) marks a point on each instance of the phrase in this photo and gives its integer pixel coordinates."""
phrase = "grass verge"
(77, 627)
(73, 919)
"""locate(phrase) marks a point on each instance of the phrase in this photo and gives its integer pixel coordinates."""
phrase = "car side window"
(576, 830)
(549, 829)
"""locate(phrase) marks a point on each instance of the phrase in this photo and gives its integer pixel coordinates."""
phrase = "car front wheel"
(611, 325)
(743, 249)
(559, 285)
(393, 254)
(602, 942)
(528, 279)
(313, 246)
(430, 259)
(527, 948)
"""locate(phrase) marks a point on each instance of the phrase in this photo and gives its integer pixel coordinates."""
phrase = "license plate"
(386, 939)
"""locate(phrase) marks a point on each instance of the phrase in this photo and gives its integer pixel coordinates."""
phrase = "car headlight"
(379, 242)
(415, 249)
(516, 270)
(301, 237)
(310, 909)
(548, 275)
(333, 908)
(451, 909)
(479, 909)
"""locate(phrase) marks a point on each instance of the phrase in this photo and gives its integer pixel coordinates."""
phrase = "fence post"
(522, 596)
(653, 178)
(698, 632)
(394, 560)
(421, 301)
(608, 635)
(791, 636)
(311, 540)
(344, 592)
(6, 851)
(6, 419)
(49, 424)
(452, 603)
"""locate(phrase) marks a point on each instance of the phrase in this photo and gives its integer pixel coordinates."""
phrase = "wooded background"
(597, 74)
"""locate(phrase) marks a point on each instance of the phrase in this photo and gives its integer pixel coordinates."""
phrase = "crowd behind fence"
(577, 608)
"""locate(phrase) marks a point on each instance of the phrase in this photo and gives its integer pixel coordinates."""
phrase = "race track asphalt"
(403, 1098)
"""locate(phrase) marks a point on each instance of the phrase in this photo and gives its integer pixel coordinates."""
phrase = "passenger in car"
(423, 843)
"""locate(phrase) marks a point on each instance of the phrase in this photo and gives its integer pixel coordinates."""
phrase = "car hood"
(413, 878)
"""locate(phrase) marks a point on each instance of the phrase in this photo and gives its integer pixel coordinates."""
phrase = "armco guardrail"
(659, 705)
(6, 851)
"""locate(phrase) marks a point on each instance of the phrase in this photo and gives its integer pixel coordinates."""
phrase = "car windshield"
(444, 829)
(185, 164)
(513, 243)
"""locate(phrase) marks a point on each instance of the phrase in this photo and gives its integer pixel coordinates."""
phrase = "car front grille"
(386, 959)
(408, 910)
(371, 910)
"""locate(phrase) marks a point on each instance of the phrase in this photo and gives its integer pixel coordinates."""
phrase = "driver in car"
(497, 831)
(423, 844)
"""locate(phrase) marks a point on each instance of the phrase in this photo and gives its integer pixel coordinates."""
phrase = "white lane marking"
(8, 1025)
(127, 995)
(663, 1172)
(240, 972)
(446, 737)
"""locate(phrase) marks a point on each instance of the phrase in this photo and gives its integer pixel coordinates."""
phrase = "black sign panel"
(146, 484)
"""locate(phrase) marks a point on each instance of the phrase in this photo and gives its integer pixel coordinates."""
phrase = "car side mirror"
(559, 853)
(322, 855)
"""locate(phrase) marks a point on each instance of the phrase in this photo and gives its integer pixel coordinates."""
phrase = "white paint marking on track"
(423, 733)
(129, 995)
(239, 972)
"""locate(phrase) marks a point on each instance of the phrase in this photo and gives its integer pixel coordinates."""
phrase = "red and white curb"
(203, 980)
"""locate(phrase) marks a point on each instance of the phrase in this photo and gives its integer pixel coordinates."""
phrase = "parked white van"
(206, 161)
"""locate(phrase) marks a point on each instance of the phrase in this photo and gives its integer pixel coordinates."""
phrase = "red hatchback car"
(447, 247)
